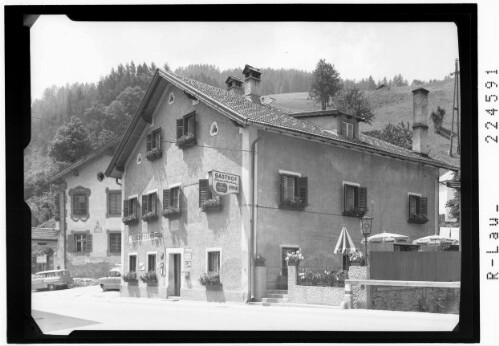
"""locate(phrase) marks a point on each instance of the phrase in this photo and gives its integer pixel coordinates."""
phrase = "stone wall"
(312, 294)
(360, 293)
(424, 299)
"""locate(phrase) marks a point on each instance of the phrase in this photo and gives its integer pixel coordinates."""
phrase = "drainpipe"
(252, 252)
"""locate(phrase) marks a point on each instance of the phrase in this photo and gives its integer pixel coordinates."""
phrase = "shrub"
(211, 204)
(322, 278)
(154, 154)
(357, 259)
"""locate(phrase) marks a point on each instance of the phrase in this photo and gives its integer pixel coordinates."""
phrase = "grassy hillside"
(393, 106)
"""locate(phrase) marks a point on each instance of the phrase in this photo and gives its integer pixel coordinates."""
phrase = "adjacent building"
(44, 246)
(89, 205)
(212, 178)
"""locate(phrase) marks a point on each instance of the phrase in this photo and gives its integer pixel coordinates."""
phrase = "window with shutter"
(214, 261)
(88, 243)
(80, 242)
(166, 198)
(303, 189)
(354, 200)
(71, 243)
(113, 203)
(423, 206)
(204, 191)
(418, 209)
(175, 197)
(149, 143)
(115, 243)
(293, 192)
(79, 197)
(144, 205)
(351, 197)
(125, 208)
(363, 198)
(180, 128)
(190, 124)
(156, 139)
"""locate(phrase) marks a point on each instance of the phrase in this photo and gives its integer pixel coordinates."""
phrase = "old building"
(44, 245)
(212, 178)
(89, 206)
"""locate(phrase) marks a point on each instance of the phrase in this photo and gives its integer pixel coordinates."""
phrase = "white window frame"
(348, 126)
(136, 261)
(213, 249)
(155, 253)
(283, 172)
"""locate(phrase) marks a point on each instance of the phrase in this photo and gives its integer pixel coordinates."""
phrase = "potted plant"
(356, 212)
(357, 259)
(295, 203)
(214, 203)
(186, 141)
(130, 219)
(154, 154)
(169, 212)
(294, 258)
(149, 216)
(150, 278)
(259, 261)
(130, 277)
(210, 280)
(418, 219)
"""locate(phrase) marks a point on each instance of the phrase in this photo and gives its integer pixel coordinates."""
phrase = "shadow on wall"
(218, 220)
(215, 294)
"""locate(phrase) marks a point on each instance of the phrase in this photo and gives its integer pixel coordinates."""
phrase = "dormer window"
(347, 129)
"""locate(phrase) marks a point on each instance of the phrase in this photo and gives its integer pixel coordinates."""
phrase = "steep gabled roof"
(85, 159)
(244, 112)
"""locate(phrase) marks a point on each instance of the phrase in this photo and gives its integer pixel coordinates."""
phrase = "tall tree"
(325, 83)
(353, 101)
(70, 142)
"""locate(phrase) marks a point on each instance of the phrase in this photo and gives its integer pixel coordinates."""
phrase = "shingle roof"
(272, 117)
(38, 233)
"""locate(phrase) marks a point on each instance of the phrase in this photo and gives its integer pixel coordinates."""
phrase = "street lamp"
(365, 229)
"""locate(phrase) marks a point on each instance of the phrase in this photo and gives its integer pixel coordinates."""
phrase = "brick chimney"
(252, 83)
(420, 121)
(234, 85)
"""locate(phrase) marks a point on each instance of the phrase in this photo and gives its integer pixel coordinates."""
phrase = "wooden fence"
(416, 266)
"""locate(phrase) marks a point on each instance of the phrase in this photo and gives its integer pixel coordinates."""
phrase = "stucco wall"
(96, 263)
(316, 230)
(197, 231)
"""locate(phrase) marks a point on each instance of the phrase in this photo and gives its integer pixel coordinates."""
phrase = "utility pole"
(455, 109)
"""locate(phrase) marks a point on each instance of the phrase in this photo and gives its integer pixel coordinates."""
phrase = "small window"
(151, 262)
(149, 203)
(132, 263)
(80, 204)
(130, 206)
(115, 242)
(80, 242)
(347, 129)
(418, 209)
(293, 192)
(154, 140)
(354, 200)
(114, 203)
(214, 261)
(186, 130)
(414, 205)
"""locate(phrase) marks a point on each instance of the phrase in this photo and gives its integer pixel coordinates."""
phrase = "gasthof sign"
(224, 183)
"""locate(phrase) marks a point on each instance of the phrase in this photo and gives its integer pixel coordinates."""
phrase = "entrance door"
(176, 274)
(285, 251)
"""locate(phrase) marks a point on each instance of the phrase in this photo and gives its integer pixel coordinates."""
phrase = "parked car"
(112, 281)
(51, 279)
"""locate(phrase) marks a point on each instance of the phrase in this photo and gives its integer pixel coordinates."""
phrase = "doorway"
(284, 252)
(174, 271)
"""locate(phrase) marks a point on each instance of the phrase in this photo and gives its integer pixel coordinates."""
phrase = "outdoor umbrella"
(386, 237)
(435, 239)
(345, 244)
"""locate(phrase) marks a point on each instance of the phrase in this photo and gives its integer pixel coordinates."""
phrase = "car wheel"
(103, 288)
(51, 287)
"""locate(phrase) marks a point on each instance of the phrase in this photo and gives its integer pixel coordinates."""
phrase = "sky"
(63, 51)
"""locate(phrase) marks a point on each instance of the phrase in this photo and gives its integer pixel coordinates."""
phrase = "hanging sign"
(41, 259)
(223, 183)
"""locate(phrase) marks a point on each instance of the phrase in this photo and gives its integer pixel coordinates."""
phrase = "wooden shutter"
(125, 208)
(180, 128)
(158, 139)
(88, 243)
(70, 243)
(362, 197)
(345, 187)
(204, 187)
(423, 206)
(303, 189)
(166, 198)
(149, 143)
(191, 124)
(154, 198)
(281, 187)
(144, 204)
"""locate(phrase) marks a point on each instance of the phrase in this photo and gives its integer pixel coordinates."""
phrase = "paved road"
(60, 312)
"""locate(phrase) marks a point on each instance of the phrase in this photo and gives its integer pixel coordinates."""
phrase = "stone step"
(277, 291)
(275, 295)
(274, 300)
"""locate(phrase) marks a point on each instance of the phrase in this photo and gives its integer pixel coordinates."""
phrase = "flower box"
(356, 212)
(357, 259)
(186, 141)
(294, 258)
(154, 154)
(293, 204)
(150, 278)
(149, 216)
(130, 278)
(210, 280)
(418, 219)
(169, 212)
(214, 203)
(130, 219)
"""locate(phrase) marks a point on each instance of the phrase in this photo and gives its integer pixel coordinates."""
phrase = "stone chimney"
(420, 121)
(234, 86)
(252, 83)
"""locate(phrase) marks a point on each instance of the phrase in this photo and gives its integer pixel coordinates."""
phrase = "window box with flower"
(210, 280)
(418, 219)
(186, 141)
(357, 259)
(294, 258)
(150, 278)
(130, 219)
(356, 212)
(154, 154)
(149, 203)
(214, 203)
(296, 203)
(171, 202)
(153, 145)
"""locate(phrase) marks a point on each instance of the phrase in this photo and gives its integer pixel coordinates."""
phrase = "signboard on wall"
(41, 259)
(224, 183)
(187, 259)
(144, 236)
